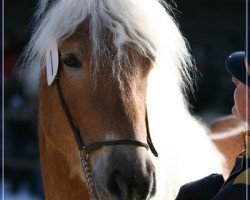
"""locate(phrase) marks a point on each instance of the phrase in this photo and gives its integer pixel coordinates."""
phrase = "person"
(213, 187)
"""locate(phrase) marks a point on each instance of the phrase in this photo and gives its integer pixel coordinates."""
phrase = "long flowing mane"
(155, 35)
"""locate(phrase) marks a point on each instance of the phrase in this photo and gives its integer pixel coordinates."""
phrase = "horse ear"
(52, 62)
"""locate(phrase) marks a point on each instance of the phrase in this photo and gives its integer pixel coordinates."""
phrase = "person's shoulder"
(235, 189)
(203, 189)
(236, 185)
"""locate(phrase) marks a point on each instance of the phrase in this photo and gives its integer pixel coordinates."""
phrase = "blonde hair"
(146, 24)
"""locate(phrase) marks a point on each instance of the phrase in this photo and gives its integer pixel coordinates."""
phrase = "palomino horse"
(105, 64)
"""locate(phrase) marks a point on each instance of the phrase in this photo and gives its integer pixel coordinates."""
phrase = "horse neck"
(58, 179)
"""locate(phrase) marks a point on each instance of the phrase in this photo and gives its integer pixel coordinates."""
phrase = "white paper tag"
(52, 63)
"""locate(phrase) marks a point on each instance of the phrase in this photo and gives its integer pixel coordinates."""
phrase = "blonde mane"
(154, 35)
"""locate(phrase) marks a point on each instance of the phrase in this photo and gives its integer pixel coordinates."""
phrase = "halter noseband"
(96, 145)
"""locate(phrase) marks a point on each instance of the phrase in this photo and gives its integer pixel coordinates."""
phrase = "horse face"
(106, 107)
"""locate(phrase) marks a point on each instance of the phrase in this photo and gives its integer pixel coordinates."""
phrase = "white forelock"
(146, 24)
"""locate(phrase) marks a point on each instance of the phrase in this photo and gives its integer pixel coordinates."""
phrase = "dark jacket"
(213, 187)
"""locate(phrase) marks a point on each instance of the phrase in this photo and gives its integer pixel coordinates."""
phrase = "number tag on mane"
(52, 63)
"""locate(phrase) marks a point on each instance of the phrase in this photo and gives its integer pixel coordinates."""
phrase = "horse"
(113, 79)
(226, 132)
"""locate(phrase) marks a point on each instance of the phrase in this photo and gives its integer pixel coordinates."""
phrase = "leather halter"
(96, 145)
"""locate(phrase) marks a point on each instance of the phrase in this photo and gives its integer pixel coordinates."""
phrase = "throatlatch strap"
(149, 140)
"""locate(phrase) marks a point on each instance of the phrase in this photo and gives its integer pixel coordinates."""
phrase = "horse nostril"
(117, 185)
(132, 183)
(146, 184)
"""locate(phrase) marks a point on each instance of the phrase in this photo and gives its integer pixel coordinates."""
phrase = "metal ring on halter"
(84, 153)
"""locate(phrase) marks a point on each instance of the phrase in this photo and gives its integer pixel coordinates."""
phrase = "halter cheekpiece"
(96, 145)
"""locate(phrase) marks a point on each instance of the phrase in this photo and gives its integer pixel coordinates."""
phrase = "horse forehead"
(69, 45)
(79, 38)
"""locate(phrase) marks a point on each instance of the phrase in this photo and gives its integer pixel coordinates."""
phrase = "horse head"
(106, 52)
(106, 106)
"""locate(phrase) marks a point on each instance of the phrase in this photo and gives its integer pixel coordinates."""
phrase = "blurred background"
(214, 29)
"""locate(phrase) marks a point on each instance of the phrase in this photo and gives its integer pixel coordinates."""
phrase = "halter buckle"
(83, 152)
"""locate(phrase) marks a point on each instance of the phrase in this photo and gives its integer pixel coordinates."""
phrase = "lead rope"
(87, 173)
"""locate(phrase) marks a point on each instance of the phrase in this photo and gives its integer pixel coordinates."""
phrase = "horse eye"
(71, 61)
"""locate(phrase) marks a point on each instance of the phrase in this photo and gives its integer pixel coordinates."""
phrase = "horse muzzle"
(124, 173)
